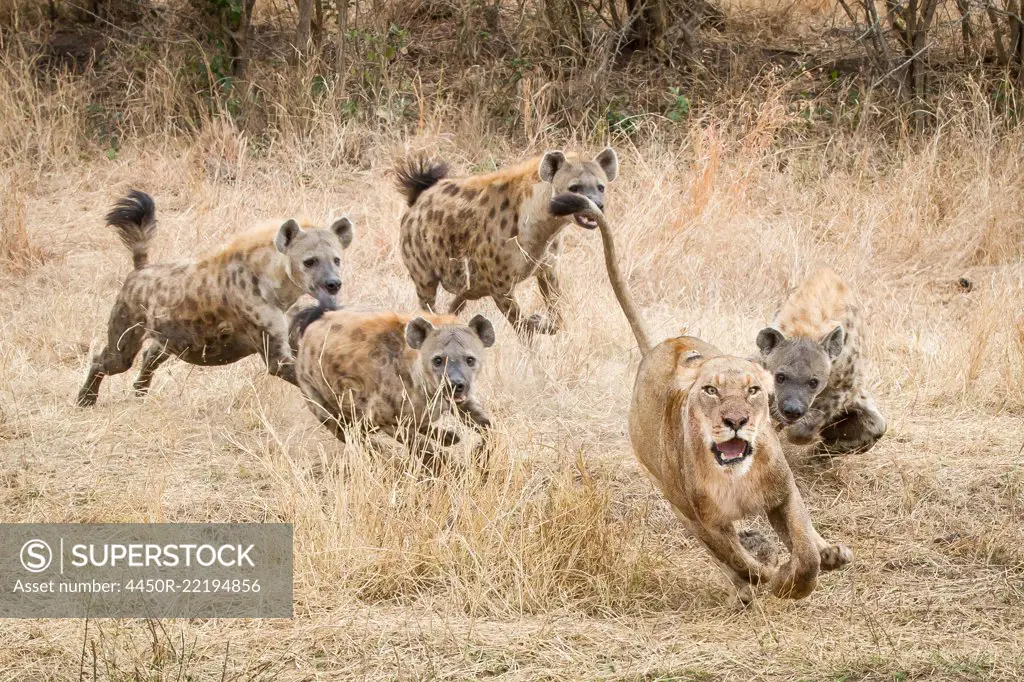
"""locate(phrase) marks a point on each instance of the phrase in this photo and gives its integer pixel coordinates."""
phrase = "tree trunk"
(302, 31)
(240, 40)
(646, 24)
(341, 66)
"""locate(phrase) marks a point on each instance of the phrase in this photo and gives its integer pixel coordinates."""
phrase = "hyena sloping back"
(219, 309)
(813, 349)
(482, 235)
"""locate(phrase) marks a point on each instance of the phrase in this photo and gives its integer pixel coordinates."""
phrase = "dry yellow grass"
(566, 564)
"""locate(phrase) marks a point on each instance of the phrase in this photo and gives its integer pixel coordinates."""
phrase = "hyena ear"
(768, 339)
(483, 328)
(833, 342)
(417, 331)
(286, 235)
(608, 160)
(550, 164)
(342, 227)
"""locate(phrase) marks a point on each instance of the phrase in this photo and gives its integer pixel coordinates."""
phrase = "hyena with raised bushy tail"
(218, 309)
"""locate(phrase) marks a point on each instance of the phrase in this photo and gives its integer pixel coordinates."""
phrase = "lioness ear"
(608, 160)
(342, 227)
(286, 235)
(483, 328)
(550, 164)
(833, 342)
(417, 331)
(768, 339)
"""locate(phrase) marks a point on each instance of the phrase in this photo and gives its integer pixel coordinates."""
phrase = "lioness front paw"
(835, 556)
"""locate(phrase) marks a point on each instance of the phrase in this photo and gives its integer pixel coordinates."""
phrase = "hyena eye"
(438, 361)
(575, 189)
(710, 390)
(753, 390)
(470, 361)
(600, 188)
(337, 261)
(309, 262)
(780, 378)
(813, 383)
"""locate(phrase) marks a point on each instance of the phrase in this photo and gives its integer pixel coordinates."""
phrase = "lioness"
(700, 427)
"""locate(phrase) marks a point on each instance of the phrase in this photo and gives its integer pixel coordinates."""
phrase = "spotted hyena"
(394, 373)
(813, 351)
(219, 309)
(482, 235)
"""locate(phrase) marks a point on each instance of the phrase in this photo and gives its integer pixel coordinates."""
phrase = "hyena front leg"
(524, 326)
(551, 292)
(857, 429)
(275, 348)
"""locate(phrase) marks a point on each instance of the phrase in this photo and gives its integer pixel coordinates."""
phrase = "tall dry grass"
(564, 564)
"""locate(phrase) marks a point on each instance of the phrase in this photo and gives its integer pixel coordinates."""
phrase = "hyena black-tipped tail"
(134, 218)
(417, 175)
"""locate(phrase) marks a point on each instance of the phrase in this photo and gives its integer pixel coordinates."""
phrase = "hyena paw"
(760, 547)
(835, 556)
(539, 324)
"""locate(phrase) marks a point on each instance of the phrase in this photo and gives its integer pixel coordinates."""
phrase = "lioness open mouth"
(731, 451)
(585, 221)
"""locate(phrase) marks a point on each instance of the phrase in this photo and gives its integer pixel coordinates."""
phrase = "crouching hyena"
(219, 309)
(482, 235)
(393, 373)
(813, 351)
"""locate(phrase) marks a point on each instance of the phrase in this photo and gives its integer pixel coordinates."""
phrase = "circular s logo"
(36, 556)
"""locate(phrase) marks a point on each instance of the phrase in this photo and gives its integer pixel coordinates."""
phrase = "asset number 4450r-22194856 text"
(199, 586)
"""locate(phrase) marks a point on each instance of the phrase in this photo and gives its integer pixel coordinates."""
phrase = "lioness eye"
(438, 361)
(575, 189)
(309, 262)
(780, 378)
(711, 390)
(470, 361)
(754, 390)
(813, 383)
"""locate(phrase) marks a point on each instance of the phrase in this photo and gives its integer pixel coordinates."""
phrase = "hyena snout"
(793, 409)
(333, 285)
(459, 385)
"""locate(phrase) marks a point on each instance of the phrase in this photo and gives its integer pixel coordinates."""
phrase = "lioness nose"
(735, 423)
(332, 286)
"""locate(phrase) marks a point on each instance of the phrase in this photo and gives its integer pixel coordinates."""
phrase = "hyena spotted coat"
(219, 309)
(482, 235)
(393, 373)
(813, 349)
